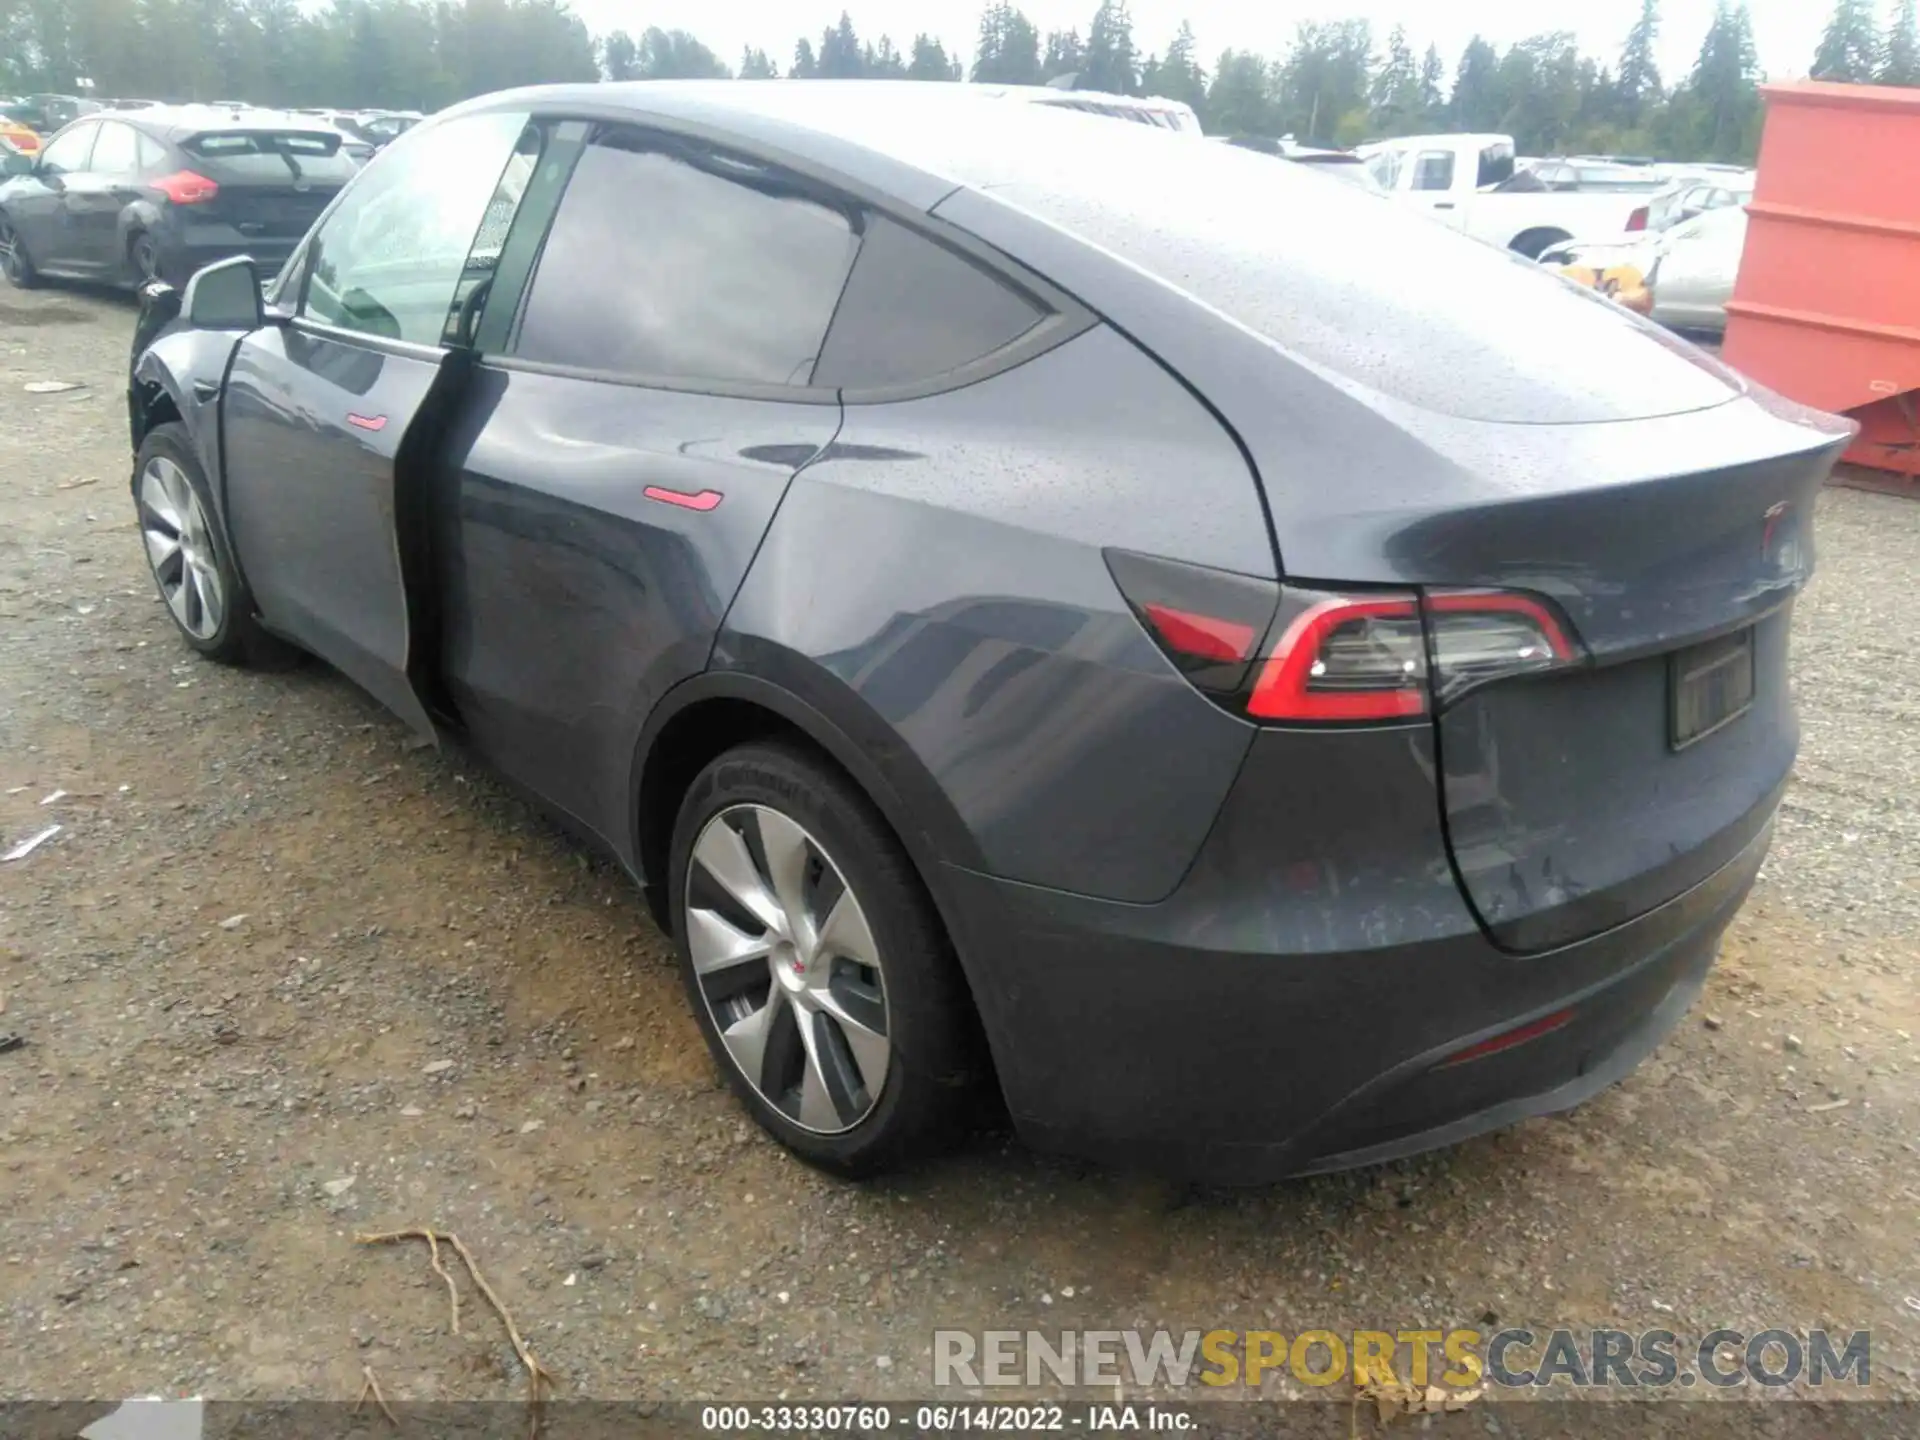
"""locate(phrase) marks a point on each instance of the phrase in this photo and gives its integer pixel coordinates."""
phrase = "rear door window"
(914, 311)
(1434, 170)
(673, 261)
(152, 153)
(398, 251)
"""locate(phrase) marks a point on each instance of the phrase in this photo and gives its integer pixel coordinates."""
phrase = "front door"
(39, 213)
(330, 418)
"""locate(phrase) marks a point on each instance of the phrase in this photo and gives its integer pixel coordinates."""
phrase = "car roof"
(916, 138)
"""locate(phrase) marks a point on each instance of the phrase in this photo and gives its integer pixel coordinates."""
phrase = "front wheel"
(817, 968)
(188, 555)
(14, 261)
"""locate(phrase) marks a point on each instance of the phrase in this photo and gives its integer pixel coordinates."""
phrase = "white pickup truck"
(1471, 183)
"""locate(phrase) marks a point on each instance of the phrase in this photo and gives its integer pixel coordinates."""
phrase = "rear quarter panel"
(939, 572)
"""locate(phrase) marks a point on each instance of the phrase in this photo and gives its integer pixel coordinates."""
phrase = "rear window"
(274, 156)
(1496, 165)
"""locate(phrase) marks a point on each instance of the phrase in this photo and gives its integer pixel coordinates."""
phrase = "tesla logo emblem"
(367, 422)
(704, 500)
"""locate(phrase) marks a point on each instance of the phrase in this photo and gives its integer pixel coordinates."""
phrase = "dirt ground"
(282, 976)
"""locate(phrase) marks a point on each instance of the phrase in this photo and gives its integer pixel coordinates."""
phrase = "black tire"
(14, 260)
(238, 638)
(930, 1024)
(143, 258)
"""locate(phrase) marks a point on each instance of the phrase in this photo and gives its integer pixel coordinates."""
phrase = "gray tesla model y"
(1263, 682)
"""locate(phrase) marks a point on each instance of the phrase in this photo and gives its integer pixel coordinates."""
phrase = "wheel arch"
(718, 709)
(1531, 242)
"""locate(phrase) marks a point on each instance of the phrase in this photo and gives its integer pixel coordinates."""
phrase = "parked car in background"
(1472, 183)
(862, 508)
(1341, 164)
(1620, 264)
(47, 113)
(1152, 110)
(1692, 278)
(140, 194)
(131, 104)
(19, 135)
(1584, 175)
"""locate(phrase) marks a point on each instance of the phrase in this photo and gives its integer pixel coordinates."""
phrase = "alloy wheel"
(788, 968)
(180, 548)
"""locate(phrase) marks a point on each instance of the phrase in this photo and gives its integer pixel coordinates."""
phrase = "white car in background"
(1692, 278)
(1474, 183)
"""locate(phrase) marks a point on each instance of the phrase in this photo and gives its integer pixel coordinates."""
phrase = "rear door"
(631, 434)
(325, 413)
(95, 197)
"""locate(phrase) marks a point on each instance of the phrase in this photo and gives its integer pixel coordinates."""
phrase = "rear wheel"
(13, 258)
(816, 966)
(188, 556)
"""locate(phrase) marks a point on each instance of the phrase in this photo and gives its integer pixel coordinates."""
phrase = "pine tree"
(930, 60)
(1112, 64)
(1008, 52)
(841, 57)
(805, 66)
(1850, 48)
(1177, 76)
(883, 62)
(1724, 100)
(1900, 56)
(1396, 88)
(1240, 100)
(1065, 54)
(754, 65)
(619, 56)
(1476, 101)
(1638, 85)
(1433, 95)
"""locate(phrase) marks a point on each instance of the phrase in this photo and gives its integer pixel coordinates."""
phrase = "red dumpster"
(1826, 308)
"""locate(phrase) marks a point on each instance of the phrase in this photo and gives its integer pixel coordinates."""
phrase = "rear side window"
(674, 261)
(152, 153)
(1434, 170)
(1496, 165)
(117, 151)
(915, 310)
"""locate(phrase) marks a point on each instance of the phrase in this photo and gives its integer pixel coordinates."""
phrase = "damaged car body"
(1037, 608)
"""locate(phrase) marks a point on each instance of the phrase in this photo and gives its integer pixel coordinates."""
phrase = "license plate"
(1710, 686)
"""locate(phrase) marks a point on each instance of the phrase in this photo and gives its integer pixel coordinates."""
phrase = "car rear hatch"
(1427, 415)
(273, 183)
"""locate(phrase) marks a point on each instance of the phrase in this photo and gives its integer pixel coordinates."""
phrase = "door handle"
(205, 391)
(1443, 205)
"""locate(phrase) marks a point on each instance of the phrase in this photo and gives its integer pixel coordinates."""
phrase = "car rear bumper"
(183, 249)
(1202, 1038)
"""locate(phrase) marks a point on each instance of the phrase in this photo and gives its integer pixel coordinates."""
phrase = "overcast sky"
(1785, 30)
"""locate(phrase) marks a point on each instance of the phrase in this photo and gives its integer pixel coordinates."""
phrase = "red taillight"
(1202, 636)
(1345, 658)
(1364, 657)
(184, 187)
(1638, 219)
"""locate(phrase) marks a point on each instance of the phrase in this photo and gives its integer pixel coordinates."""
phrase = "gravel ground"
(283, 976)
